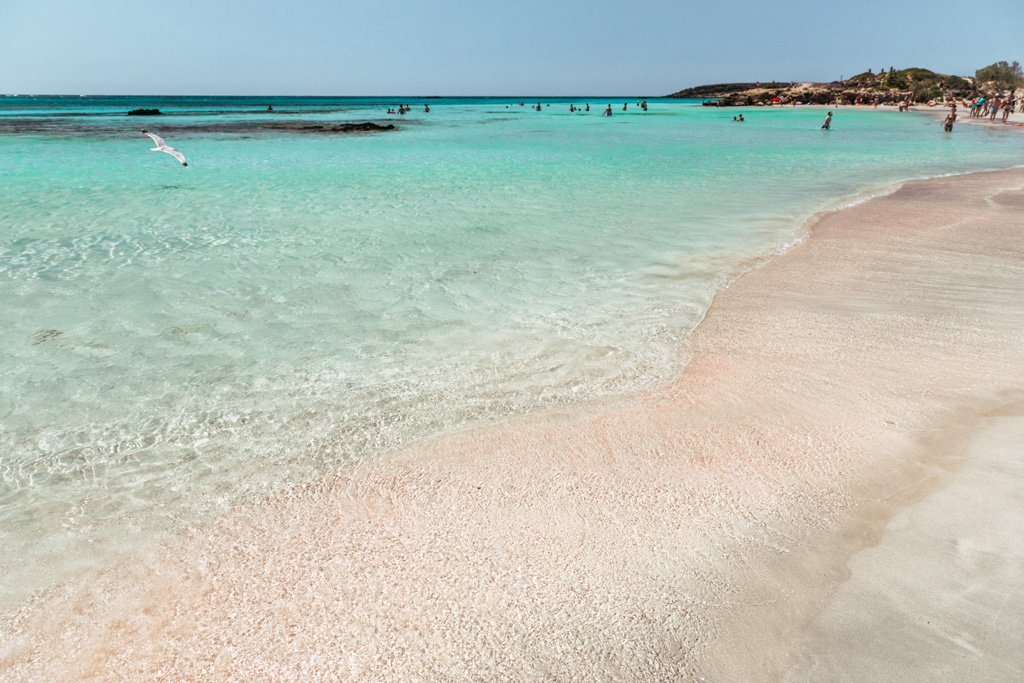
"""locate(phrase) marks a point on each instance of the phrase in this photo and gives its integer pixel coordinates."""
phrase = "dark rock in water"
(71, 125)
(145, 112)
(45, 336)
(367, 127)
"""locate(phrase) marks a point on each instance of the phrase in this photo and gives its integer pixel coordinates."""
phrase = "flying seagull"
(162, 147)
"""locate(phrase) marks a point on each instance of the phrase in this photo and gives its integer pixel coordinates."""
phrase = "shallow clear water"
(178, 340)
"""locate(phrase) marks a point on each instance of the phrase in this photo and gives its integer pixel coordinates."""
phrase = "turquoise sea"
(176, 341)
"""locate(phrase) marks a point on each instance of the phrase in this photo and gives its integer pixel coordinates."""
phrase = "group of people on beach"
(990, 107)
(984, 107)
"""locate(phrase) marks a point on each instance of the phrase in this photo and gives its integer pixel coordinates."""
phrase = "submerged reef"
(79, 126)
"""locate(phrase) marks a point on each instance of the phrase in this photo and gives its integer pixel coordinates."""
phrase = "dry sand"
(771, 511)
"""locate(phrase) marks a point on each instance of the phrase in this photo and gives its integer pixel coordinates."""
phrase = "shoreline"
(682, 490)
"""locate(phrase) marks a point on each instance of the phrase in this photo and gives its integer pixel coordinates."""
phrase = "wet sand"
(941, 596)
(716, 528)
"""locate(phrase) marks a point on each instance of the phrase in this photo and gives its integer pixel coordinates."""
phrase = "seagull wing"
(175, 153)
(157, 139)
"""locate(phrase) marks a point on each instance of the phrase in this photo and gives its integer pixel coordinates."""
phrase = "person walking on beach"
(1008, 107)
(828, 122)
(994, 106)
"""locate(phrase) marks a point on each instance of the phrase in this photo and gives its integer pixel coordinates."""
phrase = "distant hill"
(896, 85)
(721, 89)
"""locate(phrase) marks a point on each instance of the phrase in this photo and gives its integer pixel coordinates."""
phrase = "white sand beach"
(829, 491)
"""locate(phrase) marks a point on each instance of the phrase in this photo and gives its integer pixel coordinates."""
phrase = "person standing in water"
(828, 122)
(608, 110)
(947, 125)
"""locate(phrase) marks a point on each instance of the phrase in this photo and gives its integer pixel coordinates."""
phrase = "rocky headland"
(894, 86)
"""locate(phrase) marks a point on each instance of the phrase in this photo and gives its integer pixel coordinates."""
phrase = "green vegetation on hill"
(913, 84)
(1001, 75)
(920, 84)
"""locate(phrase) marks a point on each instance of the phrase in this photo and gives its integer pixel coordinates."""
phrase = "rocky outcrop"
(173, 126)
(723, 89)
(365, 127)
(891, 87)
(145, 112)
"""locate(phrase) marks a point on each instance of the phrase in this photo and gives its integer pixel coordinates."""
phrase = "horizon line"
(265, 95)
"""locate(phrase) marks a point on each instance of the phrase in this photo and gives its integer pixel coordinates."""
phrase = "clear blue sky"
(481, 47)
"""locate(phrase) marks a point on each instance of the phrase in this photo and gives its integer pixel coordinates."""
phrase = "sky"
(481, 47)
